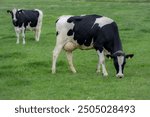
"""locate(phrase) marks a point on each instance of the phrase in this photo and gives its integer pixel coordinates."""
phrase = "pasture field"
(25, 70)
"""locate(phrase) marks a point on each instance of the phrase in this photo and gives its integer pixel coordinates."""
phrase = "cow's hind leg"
(56, 52)
(39, 26)
(98, 67)
(101, 62)
(37, 33)
(70, 61)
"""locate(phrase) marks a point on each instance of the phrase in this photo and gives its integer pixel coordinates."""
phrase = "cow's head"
(119, 59)
(14, 14)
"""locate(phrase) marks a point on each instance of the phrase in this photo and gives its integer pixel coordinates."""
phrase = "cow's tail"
(40, 18)
(39, 25)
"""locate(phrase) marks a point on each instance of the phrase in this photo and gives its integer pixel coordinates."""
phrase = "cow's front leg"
(98, 67)
(23, 35)
(17, 30)
(102, 62)
(70, 61)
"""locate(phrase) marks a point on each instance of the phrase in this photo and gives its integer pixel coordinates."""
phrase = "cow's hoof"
(37, 40)
(53, 72)
(74, 72)
(105, 75)
(98, 71)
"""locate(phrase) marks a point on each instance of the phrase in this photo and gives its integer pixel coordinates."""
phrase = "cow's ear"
(9, 11)
(109, 56)
(128, 56)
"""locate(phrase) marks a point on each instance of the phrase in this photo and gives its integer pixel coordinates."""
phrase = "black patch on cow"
(108, 37)
(83, 31)
(56, 33)
(86, 31)
(70, 32)
(56, 21)
(25, 17)
(116, 64)
(74, 18)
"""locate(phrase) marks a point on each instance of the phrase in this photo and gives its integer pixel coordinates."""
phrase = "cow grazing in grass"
(88, 32)
(26, 19)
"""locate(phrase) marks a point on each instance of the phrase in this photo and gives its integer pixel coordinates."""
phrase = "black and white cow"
(26, 19)
(87, 32)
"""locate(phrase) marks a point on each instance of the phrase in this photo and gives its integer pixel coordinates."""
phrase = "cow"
(90, 32)
(26, 20)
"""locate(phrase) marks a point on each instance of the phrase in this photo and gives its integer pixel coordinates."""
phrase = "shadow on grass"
(18, 82)
(37, 64)
(145, 30)
(7, 37)
(12, 55)
(129, 1)
(25, 69)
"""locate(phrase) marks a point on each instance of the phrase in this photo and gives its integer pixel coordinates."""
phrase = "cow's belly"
(30, 28)
(83, 47)
(72, 45)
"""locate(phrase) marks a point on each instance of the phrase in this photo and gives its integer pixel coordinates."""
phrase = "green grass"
(25, 71)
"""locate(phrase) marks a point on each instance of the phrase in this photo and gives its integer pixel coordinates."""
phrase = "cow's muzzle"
(119, 75)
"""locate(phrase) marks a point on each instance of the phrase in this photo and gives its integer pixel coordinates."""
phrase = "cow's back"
(30, 16)
(74, 27)
(62, 26)
(27, 18)
(85, 31)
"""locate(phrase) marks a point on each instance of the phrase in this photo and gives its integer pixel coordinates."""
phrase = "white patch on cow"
(14, 14)
(39, 25)
(103, 21)
(40, 18)
(63, 23)
(120, 62)
(62, 27)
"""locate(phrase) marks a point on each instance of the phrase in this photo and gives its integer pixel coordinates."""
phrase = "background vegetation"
(25, 70)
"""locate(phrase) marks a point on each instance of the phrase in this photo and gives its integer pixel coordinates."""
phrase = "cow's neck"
(117, 46)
